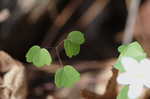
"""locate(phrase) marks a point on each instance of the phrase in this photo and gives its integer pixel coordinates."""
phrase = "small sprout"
(38, 56)
(66, 77)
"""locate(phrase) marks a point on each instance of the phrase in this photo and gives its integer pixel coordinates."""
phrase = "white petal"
(145, 61)
(124, 78)
(147, 83)
(129, 63)
(135, 90)
(145, 66)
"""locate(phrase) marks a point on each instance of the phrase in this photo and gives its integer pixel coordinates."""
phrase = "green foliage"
(38, 56)
(123, 93)
(73, 42)
(66, 77)
(71, 49)
(76, 37)
(132, 50)
(122, 48)
(32, 51)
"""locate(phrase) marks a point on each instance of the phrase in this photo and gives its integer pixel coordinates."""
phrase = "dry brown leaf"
(13, 80)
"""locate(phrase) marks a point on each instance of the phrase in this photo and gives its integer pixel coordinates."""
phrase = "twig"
(92, 12)
(57, 53)
(111, 90)
(132, 15)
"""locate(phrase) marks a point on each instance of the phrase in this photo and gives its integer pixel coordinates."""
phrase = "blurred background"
(24, 23)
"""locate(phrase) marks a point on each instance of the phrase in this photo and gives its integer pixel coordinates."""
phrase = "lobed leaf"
(42, 58)
(39, 57)
(66, 77)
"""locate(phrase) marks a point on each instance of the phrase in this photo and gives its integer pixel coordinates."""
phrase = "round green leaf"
(66, 77)
(32, 51)
(39, 57)
(76, 37)
(42, 58)
(71, 49)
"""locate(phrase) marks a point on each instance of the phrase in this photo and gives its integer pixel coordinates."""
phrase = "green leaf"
(71, 49)
(73, 42)
(32, 51)
(76, 37)
(66, 77)
(122, 48)
(42, 58)
(133, 50)
(123, 94)
(136, 51)
(39, 57)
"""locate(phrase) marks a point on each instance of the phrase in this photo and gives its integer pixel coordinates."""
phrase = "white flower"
(137, 75)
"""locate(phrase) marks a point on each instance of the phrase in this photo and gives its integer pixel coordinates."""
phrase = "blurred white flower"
(137, 75)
